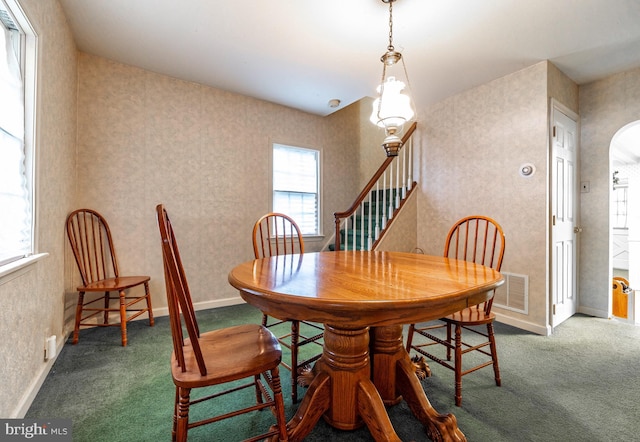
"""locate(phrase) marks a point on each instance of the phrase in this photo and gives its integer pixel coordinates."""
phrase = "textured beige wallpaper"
(402, 237)
(470, 149)
(145, 139)
(372, 153)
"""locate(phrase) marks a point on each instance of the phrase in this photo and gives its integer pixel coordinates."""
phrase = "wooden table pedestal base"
(345, 371)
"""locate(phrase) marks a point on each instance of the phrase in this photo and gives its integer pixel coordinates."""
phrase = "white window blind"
(15, 204)
(296, 188)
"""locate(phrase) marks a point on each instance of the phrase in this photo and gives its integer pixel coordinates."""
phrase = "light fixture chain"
(390, 47)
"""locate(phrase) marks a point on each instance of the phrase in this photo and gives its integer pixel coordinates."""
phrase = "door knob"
(577, 230)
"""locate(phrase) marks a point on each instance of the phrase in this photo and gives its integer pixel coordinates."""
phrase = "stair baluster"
(376, 208)
(376, 220)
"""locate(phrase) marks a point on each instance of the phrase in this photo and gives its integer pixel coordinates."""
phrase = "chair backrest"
(276, 234)
(178, 295)
(92, 245)
(621, 284)
(478, 239)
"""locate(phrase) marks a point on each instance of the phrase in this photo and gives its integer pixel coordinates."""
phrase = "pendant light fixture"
(393, 108)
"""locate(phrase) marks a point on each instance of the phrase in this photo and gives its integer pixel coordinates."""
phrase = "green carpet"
(581, 384)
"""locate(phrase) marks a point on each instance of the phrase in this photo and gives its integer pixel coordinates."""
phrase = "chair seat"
(469, 317)
(260, 352)
(113, 284)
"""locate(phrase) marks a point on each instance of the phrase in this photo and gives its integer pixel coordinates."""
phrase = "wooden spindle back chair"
(92, 245)
(481, 240)
(276, 234)
(244, 352)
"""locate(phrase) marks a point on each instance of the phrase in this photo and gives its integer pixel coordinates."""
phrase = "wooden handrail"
(367, 188)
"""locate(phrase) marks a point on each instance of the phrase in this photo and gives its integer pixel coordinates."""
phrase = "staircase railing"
(362, 225)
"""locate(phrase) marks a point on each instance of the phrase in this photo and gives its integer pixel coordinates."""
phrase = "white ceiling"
(303, 53)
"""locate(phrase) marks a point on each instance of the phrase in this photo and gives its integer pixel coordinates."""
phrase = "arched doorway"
(625, 221)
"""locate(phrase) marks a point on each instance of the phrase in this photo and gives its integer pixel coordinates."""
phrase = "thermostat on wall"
(527, 169)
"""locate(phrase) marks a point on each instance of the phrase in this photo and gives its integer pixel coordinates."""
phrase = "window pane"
(302, 207)
(619, 207)
(295, 169)
(15, 231)
(15, 197)
(296, 186)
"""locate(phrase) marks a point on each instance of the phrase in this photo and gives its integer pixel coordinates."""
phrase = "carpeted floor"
(581, 384)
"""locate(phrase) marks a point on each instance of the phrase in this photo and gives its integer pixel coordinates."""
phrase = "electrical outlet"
(585, 187)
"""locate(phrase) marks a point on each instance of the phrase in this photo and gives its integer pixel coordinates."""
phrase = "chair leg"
(264, 320)
(279, 411)
(494, 353)
(449, 341)
(182, 414)
(458, 364)
(148, 296)
(106, 307)
(295, 336)
(256, 383)
(76, 328)
(175, 416)
(412, 328)
(123, 318)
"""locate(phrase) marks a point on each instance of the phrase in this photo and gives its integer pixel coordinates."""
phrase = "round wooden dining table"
(363, 298)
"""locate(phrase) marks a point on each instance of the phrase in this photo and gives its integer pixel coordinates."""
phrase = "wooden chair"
(621, 291)
(277, 234)
(92, 245)
(477, 239)
(244, 352)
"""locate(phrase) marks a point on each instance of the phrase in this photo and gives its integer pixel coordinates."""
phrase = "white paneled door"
(564, 213)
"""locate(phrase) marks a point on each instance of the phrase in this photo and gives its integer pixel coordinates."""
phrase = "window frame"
(620, 205)
(28, 64)
(318, 235)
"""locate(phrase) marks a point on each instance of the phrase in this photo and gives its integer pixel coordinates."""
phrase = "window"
(296, 186)
(619, 206)
(17, 73)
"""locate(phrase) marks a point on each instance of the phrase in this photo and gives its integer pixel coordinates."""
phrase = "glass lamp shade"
(392, 108)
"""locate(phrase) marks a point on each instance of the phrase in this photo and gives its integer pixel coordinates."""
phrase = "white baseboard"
(26, 401)
(544, 330)
(524, 325)
(593, 312)
(216, 303)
